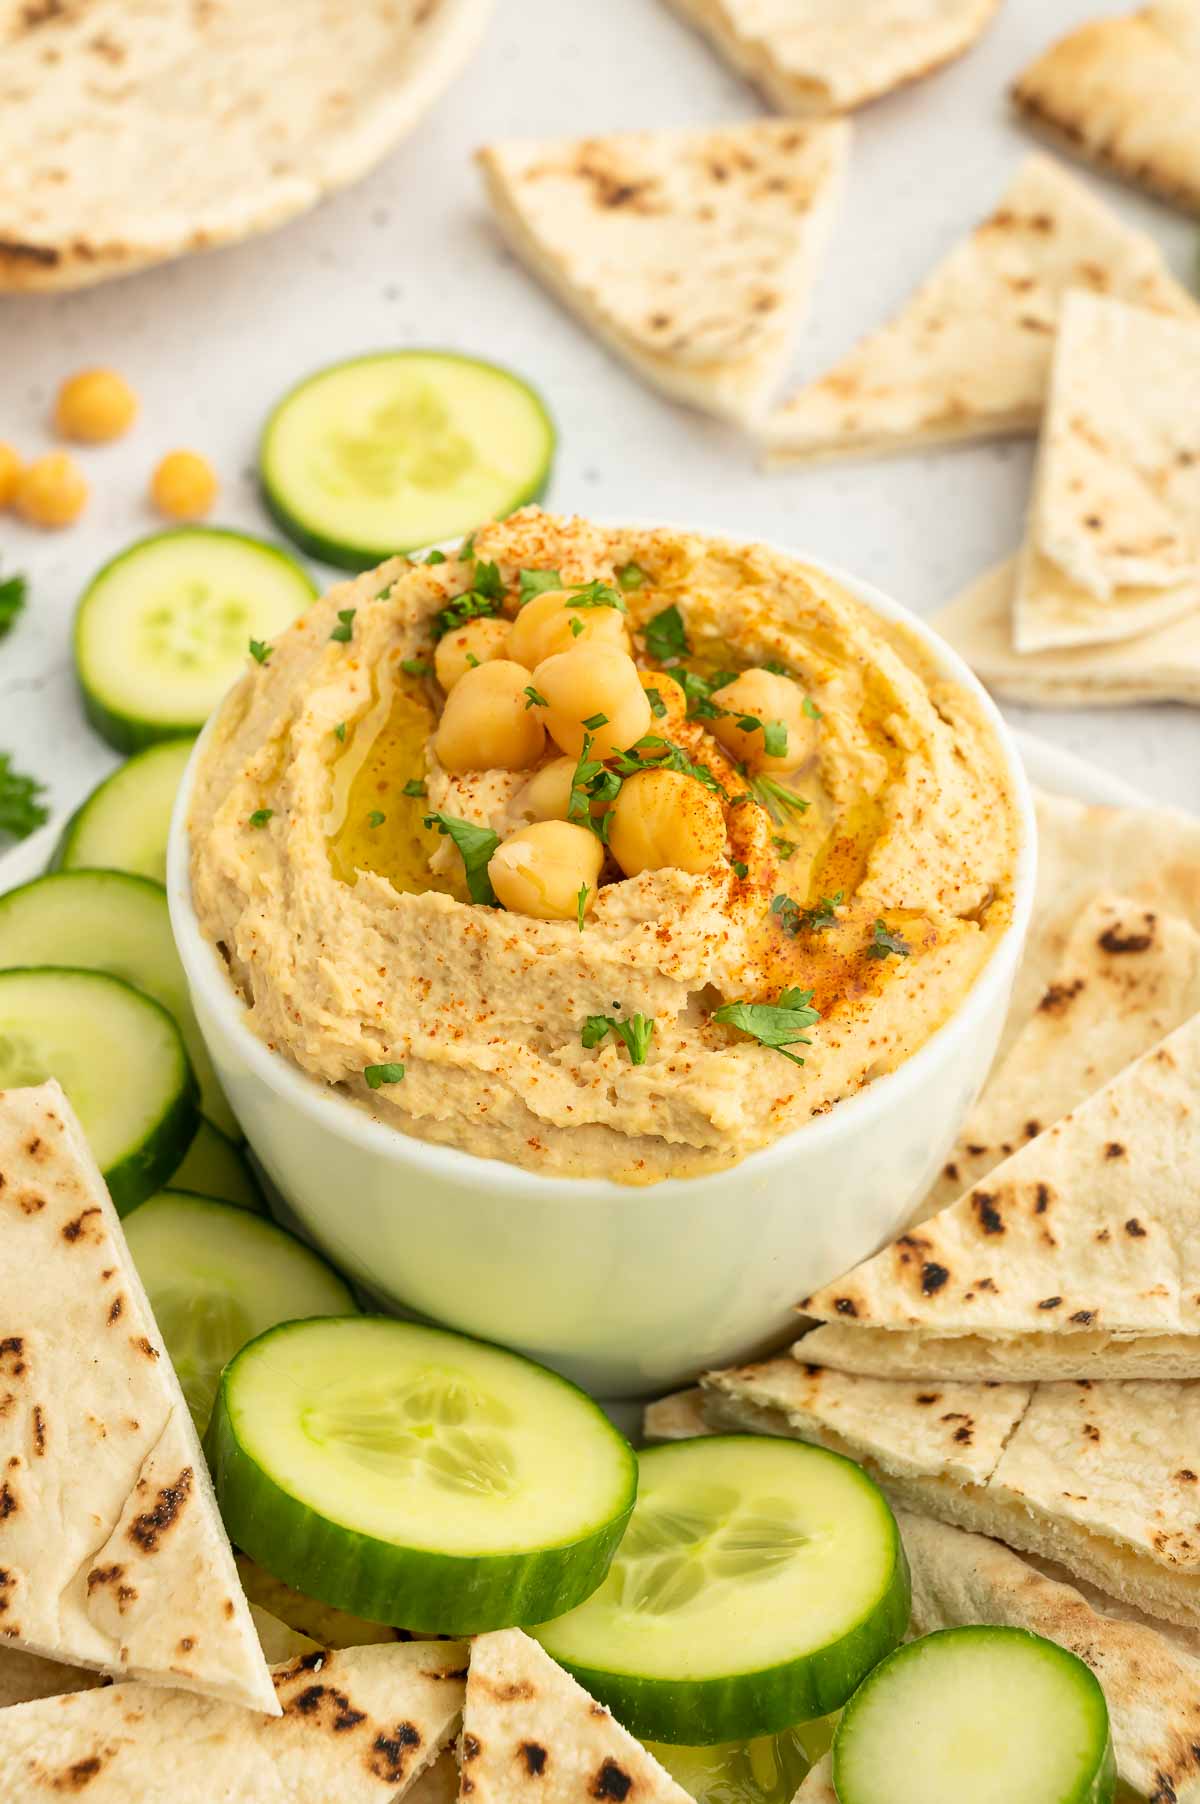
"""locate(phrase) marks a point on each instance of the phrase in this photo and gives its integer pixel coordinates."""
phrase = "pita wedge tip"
(1125, 94)
(826, 57)
(1112, 548)
(1094, 1476)
(362, 1726)
(1162, 665)
(968, 356)
(530, 1732)
(690, 254)
(112, 1551)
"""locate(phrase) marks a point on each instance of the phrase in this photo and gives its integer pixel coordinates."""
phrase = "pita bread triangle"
(1113, 543)
(689, 253)
(1077, 1257)
(529, 1731)
(1125, 93)
(1162, 665)
(355, 1727)
(1093, 1476)
(112, 1551)
(824, 56)
(968, 356)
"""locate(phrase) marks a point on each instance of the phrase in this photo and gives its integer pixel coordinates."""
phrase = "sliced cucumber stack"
(110, 921)
(120, 1059)
(986, 1714)
(214, 1167)
(123, 824)
(216, 1277)
(758, 1582)
(164, 629)
(400, 449)
(416, 1477)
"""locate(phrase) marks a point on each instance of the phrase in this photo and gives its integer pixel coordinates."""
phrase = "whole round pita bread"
(134, 131)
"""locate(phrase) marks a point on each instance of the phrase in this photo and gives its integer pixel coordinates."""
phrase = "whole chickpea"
(762, 695)
(547, 793)
(540, 870)
(663, 818)
(10, 473)
(670, 696)
(549, 624)
(95, 406)
(487, 723)
(475, 642)
(593, 683)
(51, 491)
(184, 486)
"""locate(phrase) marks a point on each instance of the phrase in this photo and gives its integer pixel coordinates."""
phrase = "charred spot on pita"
(933, 1276)
(1050, 1303)
(1134, 1229)
(612, 1781)
(78, 1775)
(1113, 940)
(845, 1305)
(1083, 1318)
(470, 1747)
(1114, 1150)
(8, 1502)
(147, 1530)
(988, 1215)
(534, 1756)
(75, 1230)
(388, 1752)
(928, 1397)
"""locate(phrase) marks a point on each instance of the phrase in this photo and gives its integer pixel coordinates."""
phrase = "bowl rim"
(342, 1116)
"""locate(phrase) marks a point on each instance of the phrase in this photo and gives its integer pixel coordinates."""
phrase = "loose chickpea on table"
(94, 407)
(10, 473)
(184, 486)
(51, 491)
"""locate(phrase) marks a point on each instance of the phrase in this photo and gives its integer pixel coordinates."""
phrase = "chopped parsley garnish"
(778, 801)
(488, 581)
(664, 754)
(658, 706)
(581, 904)
(576, 628)
(476, 845)
(739, 869)
(884, 942)
(789, 912)
(471, 606)
(339, 732)
(597, 595)
(665, 636)
(416, 667)
(637, 1034)
(822, 913)
(260, 651)
(375, 819)
(784, 847)
(21, 809)
(472, 661)
(776, 668)
(436, 557)
(700, 689)
(632, 576)
(809, 707)
(775, 737)
(775, 1024)
(591, 783)
(467, 548)
(594, 722)
(386, 590)
(261, 816)
(382, 1074)
(12, 599)
(793, 919)
(536, 698)
(343, 632)
(537, 582)
(414, 787)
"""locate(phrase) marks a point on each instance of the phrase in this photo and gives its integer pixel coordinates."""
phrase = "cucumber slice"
(163, 630)
(110, 921)
(400, 449)
(120, 1059)
(216, 1277)
(122, 825)
(989, 1714)
(416, 1477)
(767, 1770)
(214, 1167)
(759, 1581)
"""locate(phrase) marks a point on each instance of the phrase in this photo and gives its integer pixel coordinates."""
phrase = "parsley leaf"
(467, 548)
(788, 910)
(472, 661)
(576, 628)
(436, 557)
(536, 699)
(664, 754)
(636, 1033)
(537, 582)
(632, 576)
(775, 739)
(375, 819)
(382, 1074)
(666, 636)
(488, 581)
(260, 651)
(12, 599)
(884, 942)
(261, 816)
(699, 691)
(597, 595)
(784, 847)
(339, 732)
(775, 1024)
(594, 722)
(658, 706)
(21, 809)
(591, 782)
(793, 919)
(476, 844)
(416, 667)
(822, 914)
(778, 801)
(809, 707)
(471, 606)
(581, 904)
(739, 869)
(343, 632)
(776, 668)
(414, 787)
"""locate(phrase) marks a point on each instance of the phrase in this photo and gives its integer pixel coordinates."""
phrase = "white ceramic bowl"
(628, 1291)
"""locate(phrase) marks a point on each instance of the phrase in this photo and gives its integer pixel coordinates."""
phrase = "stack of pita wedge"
(1103, 602)
(1024, 1363)
(114, 1561)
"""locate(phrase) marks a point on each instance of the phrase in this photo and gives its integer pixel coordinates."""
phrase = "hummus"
(878, 876)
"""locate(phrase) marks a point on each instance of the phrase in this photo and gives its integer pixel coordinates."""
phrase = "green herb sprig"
(13, 594)
(636, 1033)
(21, 807)
(476, 846)
(884, 943)
(778, 1025)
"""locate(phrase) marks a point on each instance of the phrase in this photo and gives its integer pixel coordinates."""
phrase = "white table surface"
(409, 257)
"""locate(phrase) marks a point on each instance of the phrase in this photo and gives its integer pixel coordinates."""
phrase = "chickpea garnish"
(95, 406)
(593, 692)
(464, 647)
(10, 473)
(549, 870)
(489, 721)
(51, 491)
(549, 624)
(663, 819)
(184, 486)
(775, 704)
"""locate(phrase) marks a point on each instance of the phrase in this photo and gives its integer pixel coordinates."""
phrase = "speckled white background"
(409, 258)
